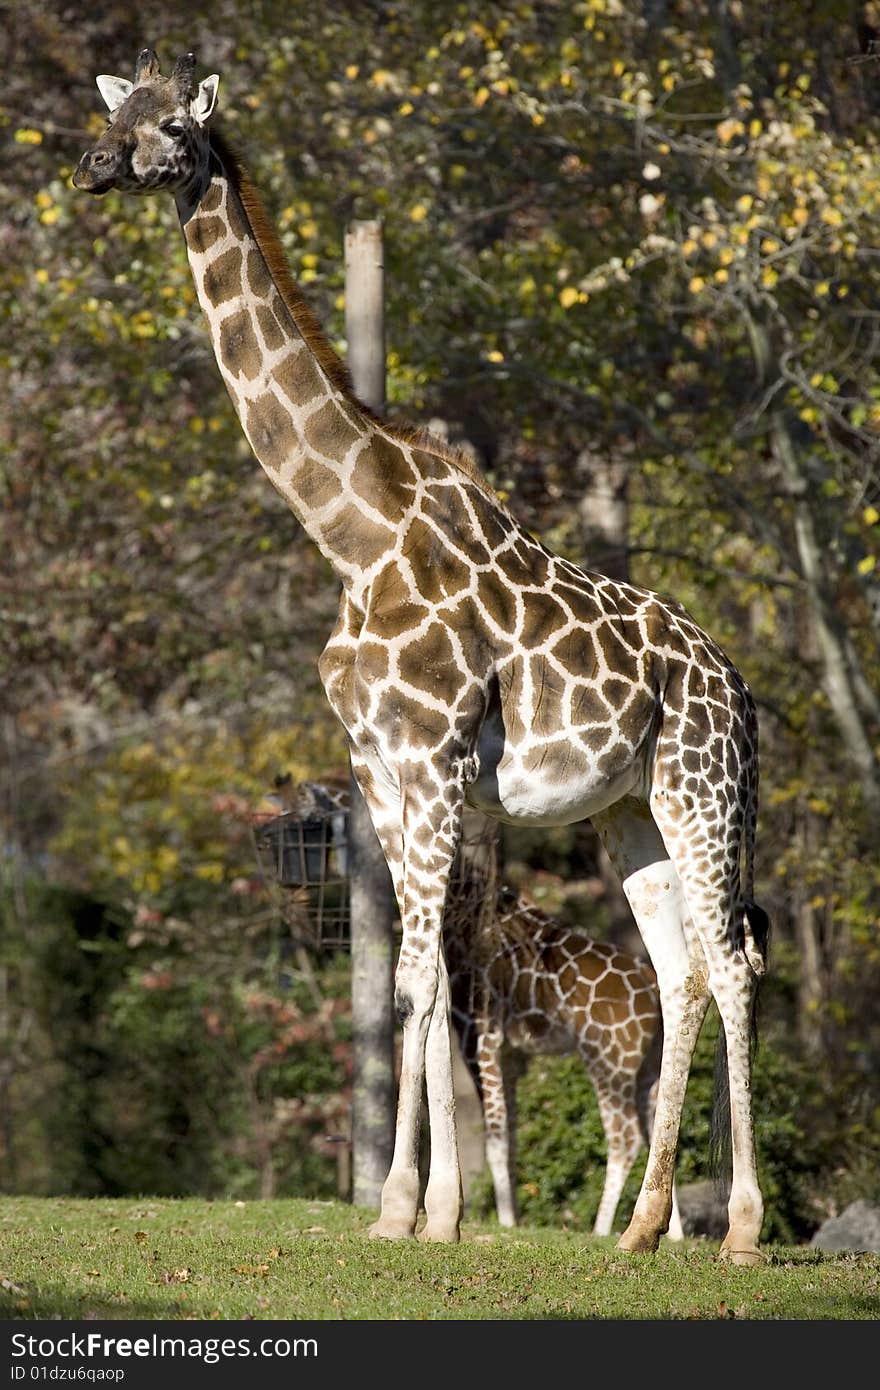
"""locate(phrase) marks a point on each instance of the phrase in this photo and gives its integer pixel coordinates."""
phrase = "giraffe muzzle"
(96, 171)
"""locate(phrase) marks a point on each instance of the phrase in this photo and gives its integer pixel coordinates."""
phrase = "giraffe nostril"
(99, 157)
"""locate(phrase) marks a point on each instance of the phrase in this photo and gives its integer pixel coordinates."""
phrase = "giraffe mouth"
(91, 179)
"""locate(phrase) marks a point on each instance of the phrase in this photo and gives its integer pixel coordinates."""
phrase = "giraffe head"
(157, 134)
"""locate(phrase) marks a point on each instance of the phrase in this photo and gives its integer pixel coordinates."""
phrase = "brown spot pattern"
(259, 279)
(239, 349)
(384, 478)
(270, 328)
(204, 232)
(329, 432)
(430, 664)
(270, 430)
(221, 279)
(436, 571)
(497, 599)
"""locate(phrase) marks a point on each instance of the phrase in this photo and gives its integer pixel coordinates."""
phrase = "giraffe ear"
(205, 99)
(114, 90)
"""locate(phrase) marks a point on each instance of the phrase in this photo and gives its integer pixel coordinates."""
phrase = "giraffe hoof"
(750, 1255)
(440, 1233)
(639, 1242)
(387, 1229)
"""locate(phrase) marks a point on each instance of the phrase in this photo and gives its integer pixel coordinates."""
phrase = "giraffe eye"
(174, 129)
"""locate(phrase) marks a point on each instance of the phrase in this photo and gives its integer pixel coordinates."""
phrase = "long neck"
(311, 436)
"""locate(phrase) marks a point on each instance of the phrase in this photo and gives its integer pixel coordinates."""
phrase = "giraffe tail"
(755, 922)
(754, 943)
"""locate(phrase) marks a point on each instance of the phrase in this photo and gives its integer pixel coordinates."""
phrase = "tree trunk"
(372, 894)
(843, 680)
(809, 947)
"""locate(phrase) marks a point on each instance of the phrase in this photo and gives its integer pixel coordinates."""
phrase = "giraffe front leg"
(414, 994)
(443, 1195)
(431, 828)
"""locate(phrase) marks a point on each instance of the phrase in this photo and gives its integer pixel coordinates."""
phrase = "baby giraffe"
(525, 985)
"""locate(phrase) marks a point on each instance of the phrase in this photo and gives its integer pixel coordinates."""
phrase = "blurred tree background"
(630, 263)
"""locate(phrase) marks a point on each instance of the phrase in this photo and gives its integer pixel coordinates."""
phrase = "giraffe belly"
(550, 791)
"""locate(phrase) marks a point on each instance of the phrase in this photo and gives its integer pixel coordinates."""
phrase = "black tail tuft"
(720, 1144)
(757, 937)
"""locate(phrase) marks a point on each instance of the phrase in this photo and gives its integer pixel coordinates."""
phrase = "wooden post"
(372, 895)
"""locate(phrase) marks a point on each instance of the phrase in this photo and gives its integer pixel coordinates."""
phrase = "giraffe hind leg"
(732, 939)
(654, 891)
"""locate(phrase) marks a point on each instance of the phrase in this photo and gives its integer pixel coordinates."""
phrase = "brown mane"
(307, 323)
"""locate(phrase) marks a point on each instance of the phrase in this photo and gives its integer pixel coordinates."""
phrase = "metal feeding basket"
(300, 837)
(302, 852)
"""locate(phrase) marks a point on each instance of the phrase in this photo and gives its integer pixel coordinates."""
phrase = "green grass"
(302, 1260)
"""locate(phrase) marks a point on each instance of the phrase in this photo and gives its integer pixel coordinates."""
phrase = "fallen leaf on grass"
(250, 1269)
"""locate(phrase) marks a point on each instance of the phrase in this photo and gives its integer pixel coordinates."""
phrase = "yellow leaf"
(832, 216)
(728, 129)
(870, 516)
(352, 71)
(568, 296)
(26, 136)
(418, 212)
(867, 564)
(697, 284)
(494, 356)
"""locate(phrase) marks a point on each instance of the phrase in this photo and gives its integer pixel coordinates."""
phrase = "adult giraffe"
(470, 663)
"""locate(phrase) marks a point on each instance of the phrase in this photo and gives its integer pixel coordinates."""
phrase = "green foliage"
(167, 1057)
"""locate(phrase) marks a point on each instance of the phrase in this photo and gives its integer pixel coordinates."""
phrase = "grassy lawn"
(158, 1259)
